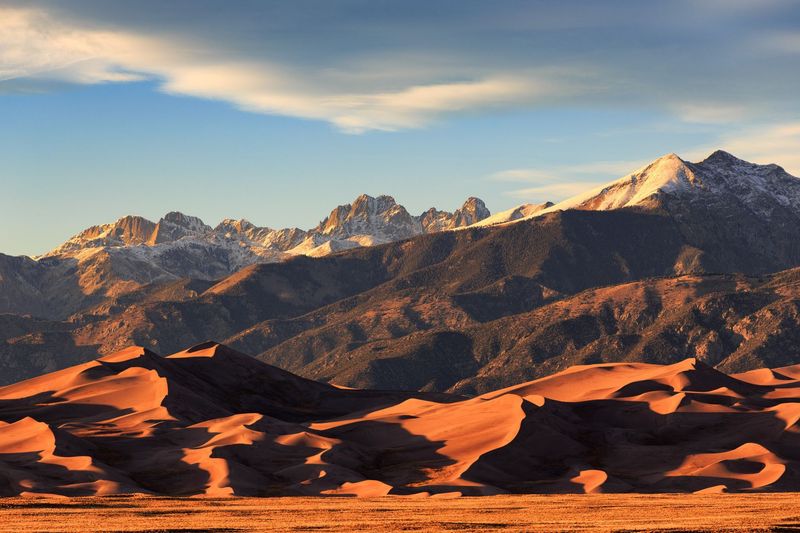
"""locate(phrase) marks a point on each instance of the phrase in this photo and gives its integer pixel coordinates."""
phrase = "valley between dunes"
(210, 421)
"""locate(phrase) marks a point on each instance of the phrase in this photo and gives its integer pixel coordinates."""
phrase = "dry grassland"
(731, 512)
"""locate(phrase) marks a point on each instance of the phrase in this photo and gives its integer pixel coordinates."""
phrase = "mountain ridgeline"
(675, 260)
(125, 256)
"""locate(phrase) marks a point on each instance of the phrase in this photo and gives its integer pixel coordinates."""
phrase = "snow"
(510, 215)
(719, 178)
(180, 245)
(666, 174)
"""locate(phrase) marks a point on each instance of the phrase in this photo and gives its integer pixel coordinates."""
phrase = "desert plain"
(552, 513)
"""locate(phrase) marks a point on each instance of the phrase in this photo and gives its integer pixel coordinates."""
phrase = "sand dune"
(211, 421)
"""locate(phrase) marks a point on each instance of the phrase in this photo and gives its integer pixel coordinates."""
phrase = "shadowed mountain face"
(735, 323)
(674, 260)
(441, 312)
(551, 255)
(212, 421)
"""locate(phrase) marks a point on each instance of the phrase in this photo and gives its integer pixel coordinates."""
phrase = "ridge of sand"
(209, 421)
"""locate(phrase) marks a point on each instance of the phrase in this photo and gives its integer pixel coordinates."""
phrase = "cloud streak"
(560, 182)
(364, 66)
(552, 192)
(34, 46)
(38, 48)
(765, 144)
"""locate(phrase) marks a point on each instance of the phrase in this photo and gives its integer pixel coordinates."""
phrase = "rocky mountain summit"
(112, 259)
(364, 222)
(472, 212)
(134, 230)
(722, 181)
(735, 216)
(369, 221)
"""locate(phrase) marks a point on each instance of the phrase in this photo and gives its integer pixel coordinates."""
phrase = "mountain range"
(674, 260)
(121, 257)
(367, 221)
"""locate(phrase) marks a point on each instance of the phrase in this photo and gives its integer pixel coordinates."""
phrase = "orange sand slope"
(211, 421)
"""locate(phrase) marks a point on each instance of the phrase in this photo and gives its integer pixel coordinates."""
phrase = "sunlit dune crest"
(212, 421)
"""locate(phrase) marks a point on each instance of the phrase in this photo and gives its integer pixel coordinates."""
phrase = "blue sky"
(278, 111)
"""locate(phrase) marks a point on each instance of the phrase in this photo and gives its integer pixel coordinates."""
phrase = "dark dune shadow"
(634, 446)
(388, 453)
(51, 409)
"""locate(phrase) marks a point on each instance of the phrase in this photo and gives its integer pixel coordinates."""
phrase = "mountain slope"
(397, 293)
(437, 342)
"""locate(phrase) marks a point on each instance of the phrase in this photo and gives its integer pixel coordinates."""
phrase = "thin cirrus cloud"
(561, 182)
(32, 46)
(771, 143)
(782, 41)
(37, 48)
(253, 88)
(552, 192)
(709, 112)
(361, 65)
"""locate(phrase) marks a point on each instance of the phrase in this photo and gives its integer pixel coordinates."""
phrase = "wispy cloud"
(552, 192)
(781, 41)
(771, 143)
(588, 170)
(367, 67)
(35, 46)
(710, 112)
(559, 182)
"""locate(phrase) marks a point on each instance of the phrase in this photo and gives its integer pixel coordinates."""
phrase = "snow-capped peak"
(719, 178)
(472, 211)
(723, 157)
(230, 227)
(126, 231)
(668, 174)
(364, 222)
(380, 217)
(175, 225)
(513, 214)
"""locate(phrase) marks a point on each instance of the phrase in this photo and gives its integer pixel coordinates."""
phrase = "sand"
(603, 512)
(213, 422)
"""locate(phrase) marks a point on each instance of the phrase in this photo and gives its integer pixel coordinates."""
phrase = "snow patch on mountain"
(179, 245)
(721, 179)
(515, 213)
(668, 174)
